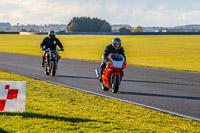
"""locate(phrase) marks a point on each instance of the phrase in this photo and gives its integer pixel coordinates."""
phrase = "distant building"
(165, 31)
(5, 26)
(151, 29)
(115, 28)
(40, 28)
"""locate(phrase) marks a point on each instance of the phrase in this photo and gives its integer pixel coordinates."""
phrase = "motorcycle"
(113, 73)
(51, 61)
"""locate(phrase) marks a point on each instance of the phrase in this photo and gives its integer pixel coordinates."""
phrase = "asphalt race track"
(174, 91)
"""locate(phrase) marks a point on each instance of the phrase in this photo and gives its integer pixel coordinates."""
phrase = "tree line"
(87, 24)
(125, 29)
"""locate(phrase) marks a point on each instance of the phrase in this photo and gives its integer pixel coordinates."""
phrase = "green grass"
(179, 52)
(52, 108)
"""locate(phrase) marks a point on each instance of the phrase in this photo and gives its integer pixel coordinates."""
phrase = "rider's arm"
(43, 44)
(123, 53)
(60, 45)
(106, 53)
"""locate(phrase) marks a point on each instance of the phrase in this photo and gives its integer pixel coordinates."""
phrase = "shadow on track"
(159, 95)
(135, 81)
(3, 131)
(77, 77)
(42, 116)
(157, 82)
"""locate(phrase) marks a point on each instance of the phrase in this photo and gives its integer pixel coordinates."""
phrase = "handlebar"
(48, 50)
(59, 50)
(44, 49)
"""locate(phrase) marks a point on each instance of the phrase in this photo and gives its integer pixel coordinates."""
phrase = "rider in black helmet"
(115, 47)
(50, 42)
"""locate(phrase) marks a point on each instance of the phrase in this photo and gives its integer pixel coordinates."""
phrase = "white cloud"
(161, 7)
(147, 16)
(189, 15)
(133, 12)
(1, 15)
(17, 14)
(16, 2)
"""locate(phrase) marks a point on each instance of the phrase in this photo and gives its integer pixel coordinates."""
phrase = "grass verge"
(52, 108)
(179, 52)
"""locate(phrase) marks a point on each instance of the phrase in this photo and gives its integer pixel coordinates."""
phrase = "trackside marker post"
(12, 96)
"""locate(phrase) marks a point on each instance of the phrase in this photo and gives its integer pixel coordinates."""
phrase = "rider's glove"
(43, 49)
(105, 60)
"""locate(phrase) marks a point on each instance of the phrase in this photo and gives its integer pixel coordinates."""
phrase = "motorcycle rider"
(115, 47)
(50, 42)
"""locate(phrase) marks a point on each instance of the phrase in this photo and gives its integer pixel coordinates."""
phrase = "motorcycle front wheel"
(115, 84)
(53, 68)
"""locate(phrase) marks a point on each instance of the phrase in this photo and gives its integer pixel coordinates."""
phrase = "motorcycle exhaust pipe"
(97, 72)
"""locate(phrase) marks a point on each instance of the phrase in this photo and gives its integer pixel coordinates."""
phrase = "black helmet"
(116, 41)
(51, 34)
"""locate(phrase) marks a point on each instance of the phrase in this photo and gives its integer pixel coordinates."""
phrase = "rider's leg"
(103, 65)
(43, 58)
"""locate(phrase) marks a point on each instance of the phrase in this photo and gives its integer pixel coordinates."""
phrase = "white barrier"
(12, 96)
(27, 33)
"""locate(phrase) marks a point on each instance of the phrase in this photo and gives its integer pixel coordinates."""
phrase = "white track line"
(146, 106)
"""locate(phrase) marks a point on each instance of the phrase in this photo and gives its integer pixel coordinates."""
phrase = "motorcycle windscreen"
(117, 60)
(116, 57)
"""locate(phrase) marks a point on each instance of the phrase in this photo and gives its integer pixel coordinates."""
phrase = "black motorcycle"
(51, 61)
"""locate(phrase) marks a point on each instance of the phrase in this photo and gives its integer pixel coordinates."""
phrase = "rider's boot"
(42, 61)
(100, 75)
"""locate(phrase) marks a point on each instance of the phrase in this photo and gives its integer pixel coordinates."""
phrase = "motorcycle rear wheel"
(115, 84)
(45, 69)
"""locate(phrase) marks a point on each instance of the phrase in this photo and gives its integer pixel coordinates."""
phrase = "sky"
(162, 13)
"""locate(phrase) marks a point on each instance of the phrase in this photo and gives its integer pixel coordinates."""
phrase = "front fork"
(112, 76)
